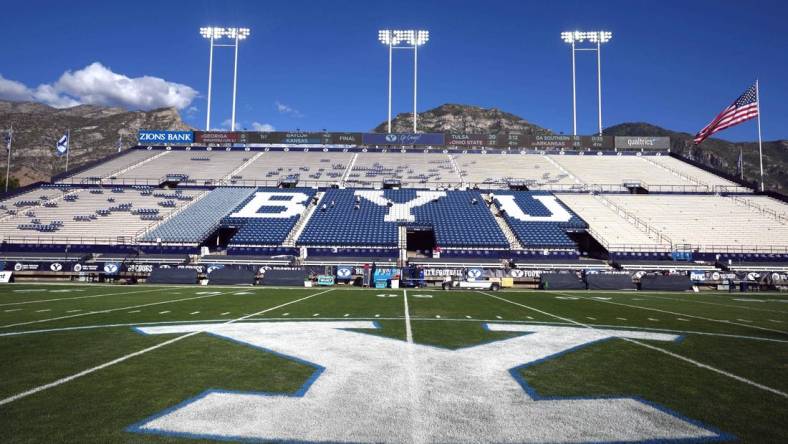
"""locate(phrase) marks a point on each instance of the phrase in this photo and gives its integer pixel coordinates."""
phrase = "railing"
(767, 211)
(636, 221)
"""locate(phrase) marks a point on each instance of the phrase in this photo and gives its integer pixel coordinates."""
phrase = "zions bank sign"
(165, 137)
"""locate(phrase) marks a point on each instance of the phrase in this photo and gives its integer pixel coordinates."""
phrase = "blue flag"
(7, 137)
(62, 146)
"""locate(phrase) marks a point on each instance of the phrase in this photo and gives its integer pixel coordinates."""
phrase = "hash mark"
(622, 319)
(164, 312)
(467, 317)
(347, 314)
(74, 311)
(316, 314)
(498, 317)
(682, 319)
(194, 312)
(743, 320)
(775, 320)
(134, 311)
(13, 309)
(529, 317)
(653, 319)
(41, 311)
(225, 313)
(377, 315)
(589, 317)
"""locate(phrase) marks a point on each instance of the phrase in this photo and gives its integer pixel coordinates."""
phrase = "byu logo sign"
(475, 273)
(558, 212)
(368, 388)
(400, 211)
(288, 204)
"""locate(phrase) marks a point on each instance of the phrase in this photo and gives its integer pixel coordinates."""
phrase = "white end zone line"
(38, 321)
(61, 381)
(659, 310)
(661, 350)
(78, 297)
(408, 331)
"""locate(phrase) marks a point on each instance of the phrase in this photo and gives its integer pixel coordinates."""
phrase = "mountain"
(462, 119)
(94, 134)
(715, 153)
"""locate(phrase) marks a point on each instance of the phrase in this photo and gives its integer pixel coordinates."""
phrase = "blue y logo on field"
(368, 388)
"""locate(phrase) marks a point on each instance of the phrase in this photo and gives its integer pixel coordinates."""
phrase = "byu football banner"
(368, 388)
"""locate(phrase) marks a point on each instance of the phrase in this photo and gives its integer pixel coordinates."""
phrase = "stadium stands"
(538, 219)
(497, 170)
(130, 158)
(708, 223)
(307, 167)
(200, 219)
(370, 218)
(197, 166)
(268, 215)
(414, 169)
(92, 215)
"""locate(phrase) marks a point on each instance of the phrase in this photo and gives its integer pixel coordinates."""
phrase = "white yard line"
(61, 381)
(105, 311)
(78, 297)
(720, 305)
(661, 350)
(408, 331)
(399, 318)
(685, 315)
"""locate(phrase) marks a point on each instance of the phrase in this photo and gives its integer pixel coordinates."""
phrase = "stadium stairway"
(291, 239)
(514, 244)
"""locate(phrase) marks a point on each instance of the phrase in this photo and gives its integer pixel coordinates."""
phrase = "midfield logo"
(368, 388)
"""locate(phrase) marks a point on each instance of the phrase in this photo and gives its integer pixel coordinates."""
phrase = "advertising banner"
(403, 139)
(146, 137)
(217, 137)
(656, 143)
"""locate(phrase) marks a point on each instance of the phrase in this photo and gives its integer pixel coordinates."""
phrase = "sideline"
(77, 297)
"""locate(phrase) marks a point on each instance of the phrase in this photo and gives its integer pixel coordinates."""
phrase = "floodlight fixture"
(215, 33)
(596, 37)
(412, 39)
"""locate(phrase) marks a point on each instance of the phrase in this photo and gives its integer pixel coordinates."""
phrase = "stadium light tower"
(214, 33)
(598, 37)
(407, 39)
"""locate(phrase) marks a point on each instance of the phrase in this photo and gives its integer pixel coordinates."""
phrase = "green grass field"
(73, 368)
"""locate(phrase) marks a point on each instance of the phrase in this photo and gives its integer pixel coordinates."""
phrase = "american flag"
(743, 108)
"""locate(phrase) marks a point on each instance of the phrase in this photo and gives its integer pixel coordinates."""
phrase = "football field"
(96, 363)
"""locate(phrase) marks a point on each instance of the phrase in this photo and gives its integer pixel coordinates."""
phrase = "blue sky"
(317, 64)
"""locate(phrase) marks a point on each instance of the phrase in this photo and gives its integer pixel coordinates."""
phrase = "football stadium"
(391, 286)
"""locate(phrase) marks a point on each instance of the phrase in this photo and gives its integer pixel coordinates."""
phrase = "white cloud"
(285, 109)
(98, 85)
(257, 126)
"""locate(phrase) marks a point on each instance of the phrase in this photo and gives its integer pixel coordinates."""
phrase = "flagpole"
(741, 163)
(68, 145)
(760, 144)
(8, 162)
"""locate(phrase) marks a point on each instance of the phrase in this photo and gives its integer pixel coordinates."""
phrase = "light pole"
(411, 39)
(598, 37)
(214, 33)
